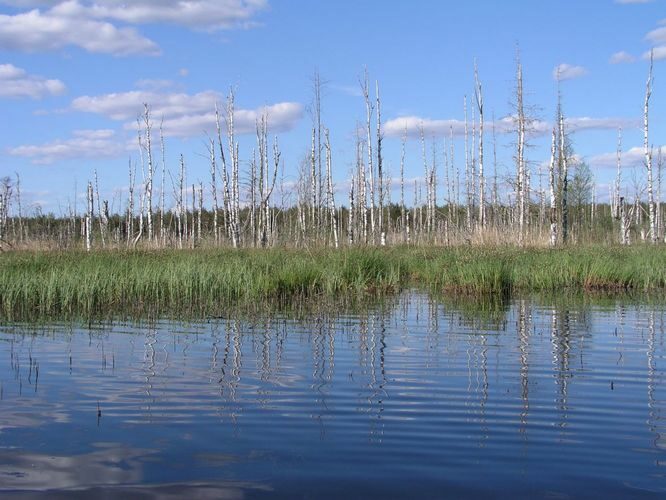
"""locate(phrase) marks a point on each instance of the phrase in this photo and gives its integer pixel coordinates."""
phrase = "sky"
(75, 74)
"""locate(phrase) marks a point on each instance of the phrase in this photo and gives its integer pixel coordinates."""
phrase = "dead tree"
(551, 184)
(149, 179)
(618, 178)
(329, 191)
(213, 189)
(648, 153)
(564, 170)
(5, 198)
(380, 172)
(266, 179)
(371, 171)
(403, 220)
(235, 174)
(130, 204)
(226, 192)
(163, 187)
(103, 221)
(521, 181)
(89, 216)
(482, 186)
(350, 215)
(22, 235)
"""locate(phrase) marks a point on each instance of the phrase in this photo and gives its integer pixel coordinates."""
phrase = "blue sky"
(74, 75)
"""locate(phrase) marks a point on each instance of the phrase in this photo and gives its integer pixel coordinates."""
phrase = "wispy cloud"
(632, 157)
(586, 123)
(568, 71)
(83, 144)
(657, 36)
(622, 57)
(352, 90)
(625, 2)
(16, 82)
(413, 125)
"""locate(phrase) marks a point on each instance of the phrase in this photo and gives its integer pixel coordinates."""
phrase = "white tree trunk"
(553, 201)
(329, 193)
(648, 154)
(89, 217)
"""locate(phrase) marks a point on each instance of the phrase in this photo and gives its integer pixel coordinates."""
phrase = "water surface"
(414, 398)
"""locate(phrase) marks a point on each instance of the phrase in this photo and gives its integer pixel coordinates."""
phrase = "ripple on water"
(415, 397)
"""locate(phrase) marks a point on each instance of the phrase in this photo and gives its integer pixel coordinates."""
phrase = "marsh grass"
(207, 282)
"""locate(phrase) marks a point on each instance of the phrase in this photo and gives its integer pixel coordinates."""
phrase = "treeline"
(246, 203)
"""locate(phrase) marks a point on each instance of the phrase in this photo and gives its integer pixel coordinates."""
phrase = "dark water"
(413, 399)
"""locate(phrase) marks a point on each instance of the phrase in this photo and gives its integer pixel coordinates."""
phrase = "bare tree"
(482, 186)
(147, 123)
(213, 189)
(365, 88)
(380, 172)
(403, 220)
(89, 216)
(551, 183)
(130, 203)
(521, 181)
(648, 152)
(5, 199)
(564, 169)
(329, 194)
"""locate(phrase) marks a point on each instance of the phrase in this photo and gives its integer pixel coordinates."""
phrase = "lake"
(414, 397)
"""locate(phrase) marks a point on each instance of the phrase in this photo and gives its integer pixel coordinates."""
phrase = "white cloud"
(622, 57)
(282, 117)
(16, 82)
(155, 84)
(586, 123)
(632, 157)
(196, 14)
(89, 24)
(568, 71)
(83, 144)
(657, 35)
(208, 15)
(412, 125)
(659, 53)
(626, 2)
(185, 115)
(66, 25)
(128, 105)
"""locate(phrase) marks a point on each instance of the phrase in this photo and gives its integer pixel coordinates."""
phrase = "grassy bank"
(204, 282)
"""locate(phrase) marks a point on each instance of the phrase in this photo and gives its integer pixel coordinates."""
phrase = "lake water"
(414, 398)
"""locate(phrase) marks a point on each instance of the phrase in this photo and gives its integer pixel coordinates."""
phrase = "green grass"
(206, 282)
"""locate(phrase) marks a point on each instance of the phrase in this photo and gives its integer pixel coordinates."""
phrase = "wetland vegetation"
(206, 282)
